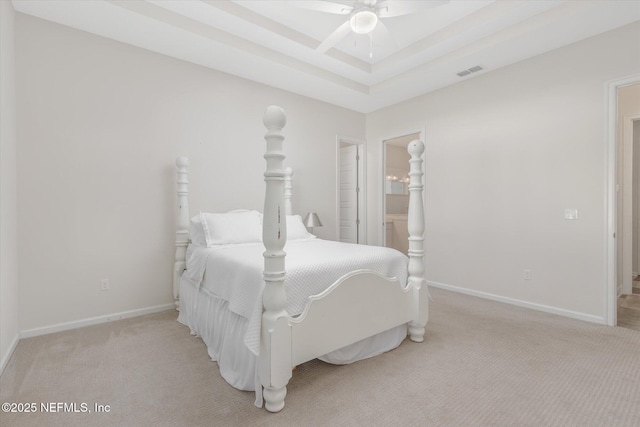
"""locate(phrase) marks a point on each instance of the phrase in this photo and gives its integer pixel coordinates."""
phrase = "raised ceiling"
(275, 42)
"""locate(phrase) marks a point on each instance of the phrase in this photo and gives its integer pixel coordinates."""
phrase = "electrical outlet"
(104, 284)
(526, 274)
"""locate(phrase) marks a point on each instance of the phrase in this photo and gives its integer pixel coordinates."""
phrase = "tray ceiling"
(274, 42)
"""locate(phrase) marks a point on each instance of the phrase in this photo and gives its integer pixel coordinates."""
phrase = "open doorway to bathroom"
(396, 194)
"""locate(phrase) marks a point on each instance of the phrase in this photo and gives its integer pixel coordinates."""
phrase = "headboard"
(183, 219)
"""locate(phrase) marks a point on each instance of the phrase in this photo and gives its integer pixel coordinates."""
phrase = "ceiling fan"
(364, 15)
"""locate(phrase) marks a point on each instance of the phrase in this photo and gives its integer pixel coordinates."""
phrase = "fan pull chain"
(371, 45)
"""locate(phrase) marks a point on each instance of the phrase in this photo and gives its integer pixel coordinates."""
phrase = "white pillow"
(231, 228)
(296, 229)
(196, 232)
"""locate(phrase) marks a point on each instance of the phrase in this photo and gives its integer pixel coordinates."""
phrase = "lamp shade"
(312, 220)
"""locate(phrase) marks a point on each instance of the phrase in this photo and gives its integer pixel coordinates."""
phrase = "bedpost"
(288, 190)
(416, 239)
(275, 340)
(182, 225)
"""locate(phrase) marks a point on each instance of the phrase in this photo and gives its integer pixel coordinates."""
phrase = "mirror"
(396, 185)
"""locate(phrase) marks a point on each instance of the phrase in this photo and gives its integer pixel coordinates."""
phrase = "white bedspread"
(234, 273)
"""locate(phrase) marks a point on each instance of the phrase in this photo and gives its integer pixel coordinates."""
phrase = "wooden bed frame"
(359, 305)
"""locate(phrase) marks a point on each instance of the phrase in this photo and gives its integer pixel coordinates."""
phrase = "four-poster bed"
(335, 301)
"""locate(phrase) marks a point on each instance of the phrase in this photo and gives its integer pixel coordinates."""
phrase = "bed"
(335, 301)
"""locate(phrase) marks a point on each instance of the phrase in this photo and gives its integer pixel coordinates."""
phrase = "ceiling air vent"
(475, 69)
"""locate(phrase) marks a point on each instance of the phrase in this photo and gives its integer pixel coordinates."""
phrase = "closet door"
(349, 209)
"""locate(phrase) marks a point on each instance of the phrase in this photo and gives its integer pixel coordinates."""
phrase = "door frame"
(610, 306)
(362, 195)
(382, 205)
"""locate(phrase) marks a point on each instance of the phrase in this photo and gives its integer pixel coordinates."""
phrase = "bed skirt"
(223, 331)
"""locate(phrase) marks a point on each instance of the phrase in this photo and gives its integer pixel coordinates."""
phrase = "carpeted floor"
(483, 364)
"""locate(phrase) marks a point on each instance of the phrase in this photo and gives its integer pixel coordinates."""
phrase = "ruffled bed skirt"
(223, 331)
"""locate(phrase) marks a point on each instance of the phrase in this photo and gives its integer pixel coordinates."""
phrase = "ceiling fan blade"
(385, 37)
(323, 6)
(341, 32)
(391, 8)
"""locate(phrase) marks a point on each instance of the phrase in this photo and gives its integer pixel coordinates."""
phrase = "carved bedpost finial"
(182, 162)
(415, 148)
(274, 118)
(416, 242)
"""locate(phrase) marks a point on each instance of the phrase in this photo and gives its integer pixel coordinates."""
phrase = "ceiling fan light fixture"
(363, 21)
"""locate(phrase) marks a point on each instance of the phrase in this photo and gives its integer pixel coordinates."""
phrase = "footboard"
(359, 305)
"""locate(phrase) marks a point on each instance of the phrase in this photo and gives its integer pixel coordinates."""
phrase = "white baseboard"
(520, 303)
(6, 357)
(94, 321)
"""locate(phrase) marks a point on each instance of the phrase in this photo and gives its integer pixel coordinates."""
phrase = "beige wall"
(8, 188)
(506, 153)
(101, 124)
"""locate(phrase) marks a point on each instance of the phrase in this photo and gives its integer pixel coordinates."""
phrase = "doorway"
(628, 188)
(395, 197)
(623, 181)
(351, 191)
(628, 286)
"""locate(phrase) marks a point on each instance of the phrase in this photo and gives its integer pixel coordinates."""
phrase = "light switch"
(571, 213)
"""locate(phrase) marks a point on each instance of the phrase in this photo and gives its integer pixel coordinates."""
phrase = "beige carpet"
(483, 364)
